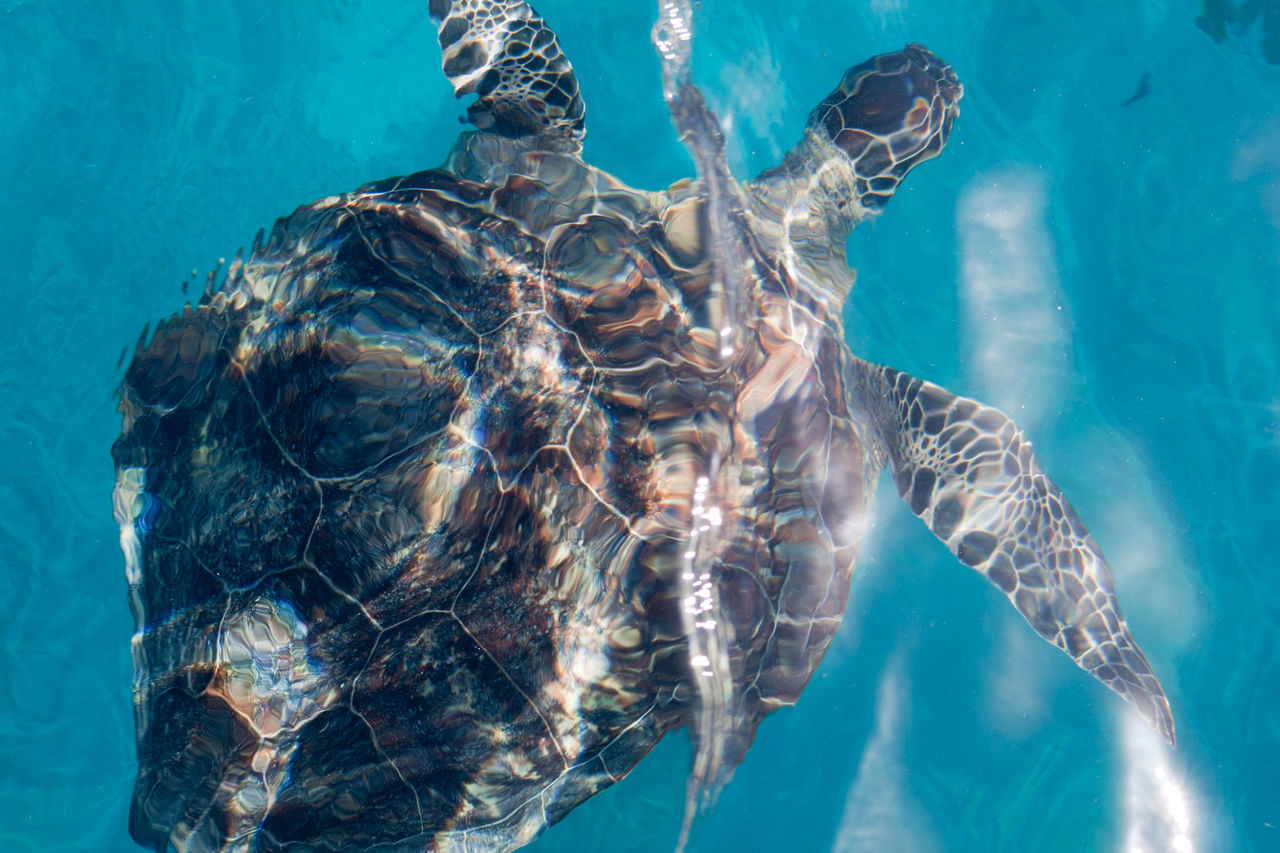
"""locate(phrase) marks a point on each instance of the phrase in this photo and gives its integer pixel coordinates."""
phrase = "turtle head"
(888, 114)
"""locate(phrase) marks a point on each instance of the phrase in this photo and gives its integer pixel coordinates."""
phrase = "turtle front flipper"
(502, 51)
(967, 472)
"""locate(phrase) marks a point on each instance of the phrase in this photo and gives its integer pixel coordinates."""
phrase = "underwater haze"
(1097, 253)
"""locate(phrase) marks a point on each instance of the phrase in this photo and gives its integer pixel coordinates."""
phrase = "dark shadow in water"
(1144, 89)
(1253, 26)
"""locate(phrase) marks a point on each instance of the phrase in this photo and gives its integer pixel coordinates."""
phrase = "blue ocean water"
(1107, 274)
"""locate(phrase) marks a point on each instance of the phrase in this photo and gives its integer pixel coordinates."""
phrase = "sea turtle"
(463, 489)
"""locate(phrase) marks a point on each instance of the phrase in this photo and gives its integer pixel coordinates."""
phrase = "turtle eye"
(917, 115)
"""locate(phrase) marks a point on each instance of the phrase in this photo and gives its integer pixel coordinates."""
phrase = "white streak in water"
(889, 11)
(880, 813)
(1160, 809)
(1017, 684)
(1145, 550)
(1257, 158)
(1016, 334)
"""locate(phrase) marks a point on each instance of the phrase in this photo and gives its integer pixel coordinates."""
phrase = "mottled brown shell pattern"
(439, 446)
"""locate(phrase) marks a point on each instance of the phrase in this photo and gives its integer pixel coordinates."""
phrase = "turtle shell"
(421, 505)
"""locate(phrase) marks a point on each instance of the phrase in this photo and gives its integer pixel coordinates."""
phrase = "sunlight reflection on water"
(1160, 811)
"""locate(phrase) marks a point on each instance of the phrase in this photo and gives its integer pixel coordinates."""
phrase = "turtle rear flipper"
(502, 51)
(967, 472)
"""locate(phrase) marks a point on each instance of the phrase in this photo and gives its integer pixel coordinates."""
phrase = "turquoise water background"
(1107, 274)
